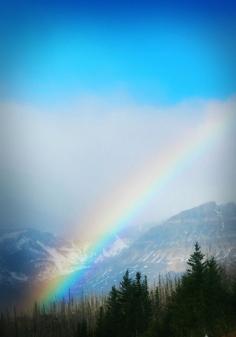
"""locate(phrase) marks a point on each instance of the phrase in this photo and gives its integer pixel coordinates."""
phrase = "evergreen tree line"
(202, 302)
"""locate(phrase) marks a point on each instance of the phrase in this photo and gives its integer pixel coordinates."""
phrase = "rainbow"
(114, 213)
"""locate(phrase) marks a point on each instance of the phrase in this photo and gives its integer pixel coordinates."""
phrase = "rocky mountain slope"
(30, 256)
(166, 248)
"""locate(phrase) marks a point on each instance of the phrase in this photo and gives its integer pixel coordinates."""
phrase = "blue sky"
(90, 91)
(155, 51)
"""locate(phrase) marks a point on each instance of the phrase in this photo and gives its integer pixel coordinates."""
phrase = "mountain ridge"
(29, 256)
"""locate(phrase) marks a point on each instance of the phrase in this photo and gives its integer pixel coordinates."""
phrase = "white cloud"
(60, 162)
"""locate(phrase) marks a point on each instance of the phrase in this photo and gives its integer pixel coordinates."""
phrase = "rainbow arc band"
(156, 175)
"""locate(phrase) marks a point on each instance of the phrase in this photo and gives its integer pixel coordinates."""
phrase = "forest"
(201, 302)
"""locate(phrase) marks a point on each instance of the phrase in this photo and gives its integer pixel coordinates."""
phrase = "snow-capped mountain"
(30, 257)
(31, 254)
(165, 248)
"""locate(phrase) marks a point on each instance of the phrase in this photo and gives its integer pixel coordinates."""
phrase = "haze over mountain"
(165, 248)
(31, 257)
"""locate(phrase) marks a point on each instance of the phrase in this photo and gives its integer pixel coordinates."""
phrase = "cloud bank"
(58, 163)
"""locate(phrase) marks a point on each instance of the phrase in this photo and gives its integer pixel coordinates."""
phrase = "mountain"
(31, 254)
(30, 257)
(166, 248)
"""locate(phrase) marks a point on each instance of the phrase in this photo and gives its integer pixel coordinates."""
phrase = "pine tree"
(127, 296)
(128, 308)
(196, 263)
(146, 304)
(215, 298)
(113, 321)
(187, 307)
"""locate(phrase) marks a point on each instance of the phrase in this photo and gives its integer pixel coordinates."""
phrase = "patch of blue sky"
(157, 58)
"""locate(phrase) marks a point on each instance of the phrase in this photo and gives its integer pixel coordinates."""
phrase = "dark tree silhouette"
(200, 302)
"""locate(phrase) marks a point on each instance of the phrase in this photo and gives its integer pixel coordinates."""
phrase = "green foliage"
(128, 309)
(201, 302)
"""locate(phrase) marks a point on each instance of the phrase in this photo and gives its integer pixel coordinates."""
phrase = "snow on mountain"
(37, 255)
(31, 256)
(114, 249)
(34, 255)
(165, 248)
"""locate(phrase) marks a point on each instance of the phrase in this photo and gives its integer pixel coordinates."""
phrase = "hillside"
(30, 257)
